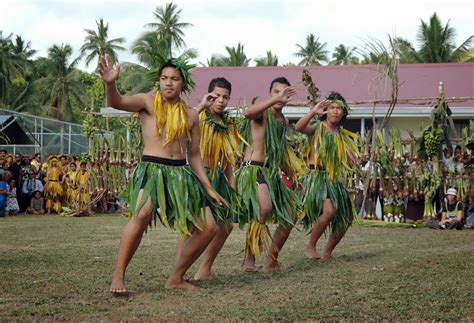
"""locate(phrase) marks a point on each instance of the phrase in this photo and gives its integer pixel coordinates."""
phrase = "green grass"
(55, 268)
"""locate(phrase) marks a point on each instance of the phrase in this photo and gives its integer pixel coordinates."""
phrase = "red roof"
(354, 82)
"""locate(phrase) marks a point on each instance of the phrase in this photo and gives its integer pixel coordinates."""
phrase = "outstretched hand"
(108, 71)
(321, 108)
(286, 95)
(207, 100)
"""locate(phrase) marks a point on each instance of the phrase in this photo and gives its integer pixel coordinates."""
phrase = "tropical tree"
(269, 60)
(97, 43)
(168, 27)
(15, 68)
(237, 56)
(437, 42)
(62, 84)
(152, 52)
(344, 55)
(216, 60)
(313, 52)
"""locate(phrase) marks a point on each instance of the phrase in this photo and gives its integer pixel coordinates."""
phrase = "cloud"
(260, 25)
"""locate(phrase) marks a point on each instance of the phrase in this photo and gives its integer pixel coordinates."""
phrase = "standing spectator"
(15, 168)
(36, 163)
(3, 196)
(453, 211)
(25, 168)
(29, 187)
(12, 202)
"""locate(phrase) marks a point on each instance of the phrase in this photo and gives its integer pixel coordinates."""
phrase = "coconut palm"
(344, 55)
(216, 60)
(313, 52)
(14, 67)
(96, 43)
(168, 26)
(237, 56)
(269, 60)
(436, 42)
(152, 52)
(61, 84)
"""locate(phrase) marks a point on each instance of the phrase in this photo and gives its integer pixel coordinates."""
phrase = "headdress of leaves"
(183, 66)
(342, 104)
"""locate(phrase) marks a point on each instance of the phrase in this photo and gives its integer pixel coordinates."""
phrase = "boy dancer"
(171, 133)
(258, 180)
(333, 152)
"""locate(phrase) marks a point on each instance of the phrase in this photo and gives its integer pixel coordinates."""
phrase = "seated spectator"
(453, 212)
(470, 211)
(36, 204)
(12, 202)
(3, 196)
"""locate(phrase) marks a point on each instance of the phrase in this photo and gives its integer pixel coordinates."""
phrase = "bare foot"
(117, 288)
(311, 253)
(326, 257)
(273, 266)
(182, 284)
(203, 275)
(249, 265)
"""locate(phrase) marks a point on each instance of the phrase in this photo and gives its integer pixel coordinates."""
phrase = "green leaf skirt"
(178, 199)
(221, 185)
(285, 203)
(317, 189)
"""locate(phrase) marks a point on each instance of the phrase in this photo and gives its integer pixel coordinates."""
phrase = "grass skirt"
(175, 190)
(318, 188)
(236, 206)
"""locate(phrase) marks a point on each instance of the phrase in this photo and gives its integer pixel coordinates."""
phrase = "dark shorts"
(161, 161)
(260, 177)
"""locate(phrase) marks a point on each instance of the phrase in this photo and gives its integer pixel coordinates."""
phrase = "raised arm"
(206, 102)
(303, 125)
(109, 72)
(255, 111)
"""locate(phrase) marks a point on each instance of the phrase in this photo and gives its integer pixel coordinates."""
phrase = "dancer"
(220, 147)
(259, 180)
(333, 152)
(171, 133)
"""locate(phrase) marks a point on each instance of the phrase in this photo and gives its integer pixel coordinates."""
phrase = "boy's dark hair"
(70, 164)
(170, 64)
(34, 193)
(281, 80)
(83, 163)
(336, 96)
(220, 82)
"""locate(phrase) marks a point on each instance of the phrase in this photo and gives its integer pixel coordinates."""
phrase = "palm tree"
(269, 60)
(61, 84)
(13, 66)
(237, 56)
(436, 42)
(97, 43)
(313, 52)
(152, 52)
(168, 26)
(216, 60)
(344, 55)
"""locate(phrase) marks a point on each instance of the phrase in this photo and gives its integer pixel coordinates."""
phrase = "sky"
(259, 25)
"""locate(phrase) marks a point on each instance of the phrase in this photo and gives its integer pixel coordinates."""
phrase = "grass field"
(55, 268)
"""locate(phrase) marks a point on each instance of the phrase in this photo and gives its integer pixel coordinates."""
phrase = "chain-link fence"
(48, 136)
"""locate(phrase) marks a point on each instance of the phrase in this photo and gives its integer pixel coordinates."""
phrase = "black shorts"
(260, 177)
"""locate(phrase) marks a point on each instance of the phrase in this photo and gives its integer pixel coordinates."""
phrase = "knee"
(265, 210)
